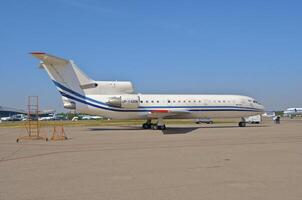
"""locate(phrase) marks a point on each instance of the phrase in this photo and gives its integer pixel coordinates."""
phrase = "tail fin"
(63, 71)
(71, 81)
(65, 75)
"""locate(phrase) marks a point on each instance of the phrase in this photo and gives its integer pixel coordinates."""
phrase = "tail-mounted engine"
(124, 101)
(68, 104)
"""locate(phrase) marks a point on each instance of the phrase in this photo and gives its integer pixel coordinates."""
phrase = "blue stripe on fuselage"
(97, 106)
(79, 95)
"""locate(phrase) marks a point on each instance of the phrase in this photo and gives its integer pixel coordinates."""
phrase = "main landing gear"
(158, 126)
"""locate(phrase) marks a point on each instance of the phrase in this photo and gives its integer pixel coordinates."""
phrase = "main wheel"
(154, 126)
(145, 126)
(163, 127)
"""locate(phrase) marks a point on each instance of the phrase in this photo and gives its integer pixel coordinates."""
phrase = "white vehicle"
(204, 121)
(269, 114)
(49, 118)
(75, 119)
(117, 99)
(253, 119)
(4, 119)
(90, 117)
(292, 112)
(17, 117)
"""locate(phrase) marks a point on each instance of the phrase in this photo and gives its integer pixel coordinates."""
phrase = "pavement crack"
(11, 154)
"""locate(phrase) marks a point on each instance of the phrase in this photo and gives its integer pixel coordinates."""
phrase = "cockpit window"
(256, 102)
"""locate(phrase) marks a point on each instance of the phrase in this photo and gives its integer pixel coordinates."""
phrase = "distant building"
(7, 112)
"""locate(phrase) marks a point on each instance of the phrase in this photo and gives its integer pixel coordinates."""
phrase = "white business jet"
(117, 99)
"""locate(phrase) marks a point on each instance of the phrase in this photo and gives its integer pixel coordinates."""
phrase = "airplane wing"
(166, 113)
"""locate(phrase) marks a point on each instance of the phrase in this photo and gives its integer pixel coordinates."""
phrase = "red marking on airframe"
(37, 53)
(159, 111)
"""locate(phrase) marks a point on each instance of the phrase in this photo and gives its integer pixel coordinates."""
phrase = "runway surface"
(184, 162)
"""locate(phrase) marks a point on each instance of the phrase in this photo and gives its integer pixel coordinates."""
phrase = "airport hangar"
(7, 111)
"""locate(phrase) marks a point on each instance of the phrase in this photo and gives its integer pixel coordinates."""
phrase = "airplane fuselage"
(192, 106)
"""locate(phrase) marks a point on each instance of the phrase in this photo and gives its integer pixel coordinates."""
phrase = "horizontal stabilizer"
(49, 59)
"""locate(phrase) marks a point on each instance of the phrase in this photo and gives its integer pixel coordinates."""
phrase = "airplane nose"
(262, 108)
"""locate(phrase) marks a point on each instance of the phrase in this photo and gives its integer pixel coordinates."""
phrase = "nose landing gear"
(242, 123)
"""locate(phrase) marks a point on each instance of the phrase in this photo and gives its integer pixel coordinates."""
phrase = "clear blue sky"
(240, 47)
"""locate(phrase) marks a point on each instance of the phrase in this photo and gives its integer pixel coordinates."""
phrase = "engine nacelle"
(124, 101)
(68, 104)
(108, 87)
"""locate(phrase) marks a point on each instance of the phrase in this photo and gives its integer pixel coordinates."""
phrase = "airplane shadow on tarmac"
(185, 130)
(117, 128)
(169, 130)
(179, 130)
(233, 126)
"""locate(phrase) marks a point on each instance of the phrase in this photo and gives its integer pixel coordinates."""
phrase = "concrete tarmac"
(185, 162)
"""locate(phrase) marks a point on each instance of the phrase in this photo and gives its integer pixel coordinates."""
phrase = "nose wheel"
(242, 123)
